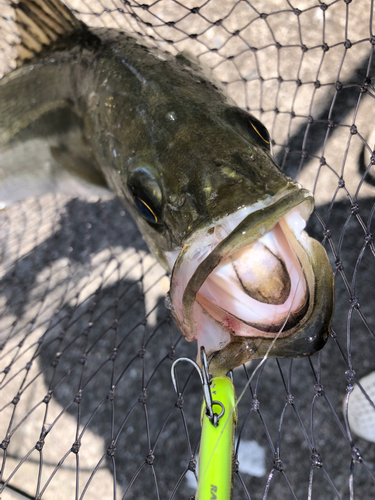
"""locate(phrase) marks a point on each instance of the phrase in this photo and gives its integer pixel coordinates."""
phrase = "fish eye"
(249, 126)
(145, 210)
(146, 194)
(260, 131)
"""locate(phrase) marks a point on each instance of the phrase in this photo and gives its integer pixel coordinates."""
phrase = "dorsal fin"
(40, 23)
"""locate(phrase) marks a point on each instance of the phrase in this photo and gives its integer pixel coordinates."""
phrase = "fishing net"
(87, 406)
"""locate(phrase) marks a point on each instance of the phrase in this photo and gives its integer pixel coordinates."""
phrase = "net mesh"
(87, 407)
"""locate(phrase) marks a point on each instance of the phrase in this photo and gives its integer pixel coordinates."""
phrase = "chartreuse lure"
(218, 420)
(215, 475)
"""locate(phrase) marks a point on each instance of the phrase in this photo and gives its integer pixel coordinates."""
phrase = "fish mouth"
(255, 283)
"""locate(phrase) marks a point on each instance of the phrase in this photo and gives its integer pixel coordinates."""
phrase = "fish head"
(202, 166)
(246, 280)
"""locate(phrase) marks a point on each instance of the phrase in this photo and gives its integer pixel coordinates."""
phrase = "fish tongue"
(262, 273)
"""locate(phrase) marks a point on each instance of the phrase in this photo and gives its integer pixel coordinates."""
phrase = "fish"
(96, 107)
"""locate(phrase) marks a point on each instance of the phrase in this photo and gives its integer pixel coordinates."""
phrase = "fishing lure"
(218, 420)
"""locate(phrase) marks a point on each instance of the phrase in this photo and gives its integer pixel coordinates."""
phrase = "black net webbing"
(87, 406)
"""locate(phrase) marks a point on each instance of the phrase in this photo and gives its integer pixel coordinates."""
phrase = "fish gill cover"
(87, 406)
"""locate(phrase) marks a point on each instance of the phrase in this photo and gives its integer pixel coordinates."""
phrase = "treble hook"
(204, 376)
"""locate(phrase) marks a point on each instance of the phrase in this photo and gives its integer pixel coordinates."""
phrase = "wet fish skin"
(105, 107)
(124, 96)
(193, 161)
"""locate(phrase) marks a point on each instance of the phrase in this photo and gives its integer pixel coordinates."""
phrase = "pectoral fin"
(49, 155)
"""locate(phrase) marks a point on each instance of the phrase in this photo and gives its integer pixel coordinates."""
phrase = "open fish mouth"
(255, 282)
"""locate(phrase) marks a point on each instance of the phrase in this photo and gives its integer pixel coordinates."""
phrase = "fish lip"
(249, 230)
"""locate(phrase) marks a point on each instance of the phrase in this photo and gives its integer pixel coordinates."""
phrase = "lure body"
(216, 453)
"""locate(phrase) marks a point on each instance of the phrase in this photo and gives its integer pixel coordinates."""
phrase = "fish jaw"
(253, 282)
